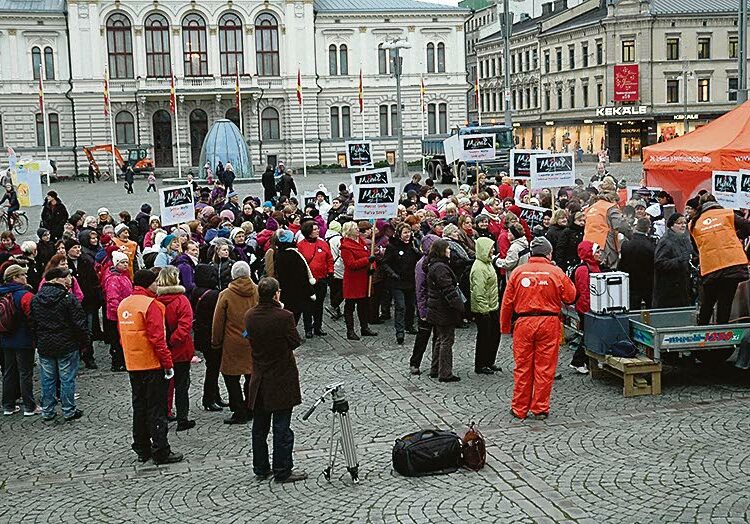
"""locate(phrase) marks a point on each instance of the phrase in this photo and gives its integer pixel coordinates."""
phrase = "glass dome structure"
(225, 143)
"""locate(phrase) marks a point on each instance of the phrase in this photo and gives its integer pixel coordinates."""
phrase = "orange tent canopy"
(683, 166)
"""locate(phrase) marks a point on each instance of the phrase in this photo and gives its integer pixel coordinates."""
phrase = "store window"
(628, 51)
(673, 91)
(673, 48)
(704, 90)
(732, 90)
(704, 48)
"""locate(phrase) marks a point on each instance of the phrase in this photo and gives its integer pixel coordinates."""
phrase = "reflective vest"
(718, 245)
(136, 346)
(597, 225)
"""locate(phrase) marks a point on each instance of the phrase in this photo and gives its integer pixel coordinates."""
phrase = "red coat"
(318, 256)
(355, 255)
(504, 191)
(178, 319)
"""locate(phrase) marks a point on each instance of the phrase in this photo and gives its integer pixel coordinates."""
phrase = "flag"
(421, 93)
(41, 89)
(106, 92)
(237, 90)
(361, 93)
(172, 97)
(299, 87)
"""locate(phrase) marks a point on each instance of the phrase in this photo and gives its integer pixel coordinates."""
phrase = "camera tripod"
(340, 411)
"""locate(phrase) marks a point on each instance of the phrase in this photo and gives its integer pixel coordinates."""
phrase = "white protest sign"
(477, 147)
(533, 215)
(378, 201)
(27, 177)
(372, 177)
(553, 170)
(359, 153)
(177, 205)
(725, 188)
(520, 162)
(452, 149)
(744, 192)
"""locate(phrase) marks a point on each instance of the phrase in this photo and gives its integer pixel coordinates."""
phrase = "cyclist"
(13, 205)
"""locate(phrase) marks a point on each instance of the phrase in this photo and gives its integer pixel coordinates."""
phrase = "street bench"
(640, 375)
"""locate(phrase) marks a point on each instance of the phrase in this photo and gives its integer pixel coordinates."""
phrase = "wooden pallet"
(640, 375)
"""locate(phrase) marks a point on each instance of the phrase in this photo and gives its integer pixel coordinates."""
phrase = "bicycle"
(20, 221)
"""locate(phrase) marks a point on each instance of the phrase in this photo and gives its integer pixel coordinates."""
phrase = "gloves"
(169, 373)
(371, 259)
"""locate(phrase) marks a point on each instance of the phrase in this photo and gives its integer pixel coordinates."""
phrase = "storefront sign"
(520, 162)
(626, 83)
(177, 205)
(359, 154)
(372, 177)
(373, 202)
(725, 186)
(682, 117)
(553, 170)
(621, 110)
(477, 147)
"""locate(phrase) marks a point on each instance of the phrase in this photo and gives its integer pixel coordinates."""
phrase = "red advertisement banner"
(626, 83)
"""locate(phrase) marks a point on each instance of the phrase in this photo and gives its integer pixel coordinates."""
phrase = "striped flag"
(237, 90)
(361, 93)
(41, 88)
(299, 87)
(106, 92)
(172, 97)
(421, 93)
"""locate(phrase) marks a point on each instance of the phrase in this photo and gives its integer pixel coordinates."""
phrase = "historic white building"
(204, 43)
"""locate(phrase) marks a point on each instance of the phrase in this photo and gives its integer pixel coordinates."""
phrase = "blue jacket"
(21, 338)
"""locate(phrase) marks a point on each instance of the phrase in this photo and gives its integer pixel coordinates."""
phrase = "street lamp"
(396, 62)
(684, 77)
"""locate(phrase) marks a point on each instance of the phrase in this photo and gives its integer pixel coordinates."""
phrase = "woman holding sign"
(357, 268)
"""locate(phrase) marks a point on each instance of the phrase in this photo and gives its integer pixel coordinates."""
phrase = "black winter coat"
(203, 301)
(445, 307)
(399, 262)
(565, 253)
(672, 270)
(637, 260)
(287, 185)
(87, 278)
(269, 185)
(142, 220)
(554, 233)
(223, 272)
(54, 219)
(57, 322)
(292, 274)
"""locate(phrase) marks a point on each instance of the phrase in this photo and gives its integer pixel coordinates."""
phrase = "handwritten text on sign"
(379, 201)
(552, 170)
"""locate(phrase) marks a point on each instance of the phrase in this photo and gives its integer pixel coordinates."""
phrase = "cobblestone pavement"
(679, 457)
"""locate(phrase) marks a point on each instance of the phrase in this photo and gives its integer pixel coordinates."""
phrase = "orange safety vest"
(136, 346)
(718, 245)
(597, 225)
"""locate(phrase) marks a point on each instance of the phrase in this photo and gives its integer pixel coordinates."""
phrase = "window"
(49, 64)
(194, 48)
(267, 45)
(343, 60)
(546, 61)
(599, 95)
(230, 45)
(441, 58)
(384, 129)
(731, 93)
(585, 94)
(335, 130)
(526, 61)
(673, 48)
(124, 128)
(536, 96)
(547, 100)
(628, 50)
(40, 139)
(572, 96)
(534, 59)
(673, 91)
(158, 64)
(571, 57)
(733, 47)
(431, 119)
(2, 142)
(333, 61)
(346, 122)
(585, 54)
(53, 122)
(36, 62)
(599, 53)
(558, 56)
(515, 99)
(394, 119)
(492, 64)
(704, 48)
(704, 90)
(559, 98)
(233, 115)
(269, 121)
(382, 60)
(341, 126)
(119, 46)
(528, 98)
(512, 64)
(430, 57)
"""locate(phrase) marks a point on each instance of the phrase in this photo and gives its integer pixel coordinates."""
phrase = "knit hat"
(146, 208)
(104, 240)
(227, 215)
(102, 211)
(207, 212)
(120, 228)
(144, 278)
(154, 217)
(71, 242)
(159, 237)
(449, 230)
(285, 236)
(268, 204)
(118, 256)
(167, 240)
(335, 225)
(220, 241)
(14, 270)
(41, 232)
(240, 269)
(516, 229)
(674, 217)
(540, 247)
(233, 233)
(232, 193)
(52, 194)
(637, 203)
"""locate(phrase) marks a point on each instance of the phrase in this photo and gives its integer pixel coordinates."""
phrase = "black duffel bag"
(427, 452)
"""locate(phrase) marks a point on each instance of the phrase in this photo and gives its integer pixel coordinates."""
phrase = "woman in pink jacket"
(62, 261)
(117, 287)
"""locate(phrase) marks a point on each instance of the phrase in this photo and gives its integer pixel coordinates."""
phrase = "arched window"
(49, 64)
(430, 57)
(333, 58)
(119, 46)
(269, 120)
(124, 128)
(194, 48)
(267, 45)
(230, 44)
(157, 46)
(441, 58)
(343, 60)
(198, 131)
(36, 62)
(162, 129)
(233, 115)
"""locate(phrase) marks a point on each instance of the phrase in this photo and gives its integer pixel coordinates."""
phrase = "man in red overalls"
(533, 298)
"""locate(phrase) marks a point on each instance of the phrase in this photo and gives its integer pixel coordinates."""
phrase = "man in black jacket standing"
(54, 215)
(637, 260)
(83, 270)
(60, 330)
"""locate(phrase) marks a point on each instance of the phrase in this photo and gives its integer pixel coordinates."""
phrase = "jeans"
(488, 339)
(211, 381)
(62, 369)
(237, 395)
(424, 332)
(404, 301)
(719, 292)
(181, 387)
(442, 351)
(362, 312)
(313, 317)
(283, 443)
(18, 378)
(337, 292)
(149, 394)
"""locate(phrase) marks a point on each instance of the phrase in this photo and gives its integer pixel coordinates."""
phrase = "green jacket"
(483, 279)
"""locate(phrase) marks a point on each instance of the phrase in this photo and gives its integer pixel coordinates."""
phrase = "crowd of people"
(157, 295)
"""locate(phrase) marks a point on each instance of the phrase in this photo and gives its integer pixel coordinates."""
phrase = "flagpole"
(479, 103)
(108, 111)
(302, 109)
(43, 107)
(177, 129)
(361, 101)
(421, 120)
(239, 97)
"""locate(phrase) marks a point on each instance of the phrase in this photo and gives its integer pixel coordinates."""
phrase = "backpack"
(8, 313)
(474, 449)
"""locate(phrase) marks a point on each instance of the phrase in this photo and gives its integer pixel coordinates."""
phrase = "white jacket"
(334, 241)
(514, 258)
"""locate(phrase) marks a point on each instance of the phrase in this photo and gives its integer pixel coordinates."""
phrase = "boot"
(351, 335)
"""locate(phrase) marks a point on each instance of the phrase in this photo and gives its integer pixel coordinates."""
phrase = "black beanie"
(144, 278)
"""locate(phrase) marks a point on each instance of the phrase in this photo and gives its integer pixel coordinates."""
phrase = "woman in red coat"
(178, 319)
(357, 269)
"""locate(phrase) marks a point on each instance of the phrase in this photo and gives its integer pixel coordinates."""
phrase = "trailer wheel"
(462, 174)
(440, 174)
(715, 357)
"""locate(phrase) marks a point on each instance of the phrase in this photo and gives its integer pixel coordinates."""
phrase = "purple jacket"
(420, 275)
(186, 266)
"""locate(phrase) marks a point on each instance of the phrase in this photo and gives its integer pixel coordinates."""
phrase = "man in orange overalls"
(533, 298)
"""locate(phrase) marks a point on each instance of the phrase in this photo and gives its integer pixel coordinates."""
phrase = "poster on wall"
(378, 201)
(28, 180)
(359, 153)
(520, 162)
(553, 170)
(372, 177)
(477, 147)
(626, 83)
(725, 186)
(177, 205)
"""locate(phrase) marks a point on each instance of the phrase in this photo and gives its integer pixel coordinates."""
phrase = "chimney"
(560, 5)
(546, 8)
(523, 17)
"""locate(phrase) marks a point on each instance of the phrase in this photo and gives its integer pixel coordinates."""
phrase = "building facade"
(616, 74)
(269, 44)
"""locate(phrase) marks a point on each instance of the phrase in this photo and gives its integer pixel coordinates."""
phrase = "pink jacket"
(117, 288)
(74, 288)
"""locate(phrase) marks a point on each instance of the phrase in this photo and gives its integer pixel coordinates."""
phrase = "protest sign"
(372, 177)
(373, 202)
(452, 149)
(553, 170)
(309, 198)
(477, 147)
(643, 193)
(520, 162)
(725, 187)
(533, 215)
(359, 153)
(744, 192)
(177, 205)
(28, 180)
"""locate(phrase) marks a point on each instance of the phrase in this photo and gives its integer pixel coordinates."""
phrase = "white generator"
(610, 292)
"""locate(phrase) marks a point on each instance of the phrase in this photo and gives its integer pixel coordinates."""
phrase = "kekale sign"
(622, 111)
(372, 177)
(359, 153)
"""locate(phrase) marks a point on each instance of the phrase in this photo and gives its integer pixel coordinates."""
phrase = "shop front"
(671, 126)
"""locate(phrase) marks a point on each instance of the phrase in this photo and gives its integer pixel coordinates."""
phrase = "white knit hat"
(117, 257)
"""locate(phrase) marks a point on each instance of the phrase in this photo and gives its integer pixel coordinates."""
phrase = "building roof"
(673, 7)
(520, 26)
(591, 16)
(372, 6)
(476, 5)
(32, 6)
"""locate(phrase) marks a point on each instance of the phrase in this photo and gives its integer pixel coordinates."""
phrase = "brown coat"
(274, 384)
(229, 325)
